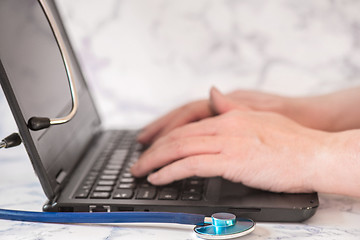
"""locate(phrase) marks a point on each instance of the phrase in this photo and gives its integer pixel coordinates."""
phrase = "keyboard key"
(120, 154)
(89, 180)
(191, 196)
(193, 189)
(82, 194)
(108, 177)
(146, 184)
(194, 182)
(103, 188)
(168, 194)
(146, 193)
(116, 163)
(106, 182)
(86, 186)
(114, 166)
(123, 194)
(111, 172)
(100, 195)
(126, 175)
(127, 185)
(125, 144)
(127, 180)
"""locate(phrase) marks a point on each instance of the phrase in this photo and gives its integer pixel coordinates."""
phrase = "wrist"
(336, 111)
(337, 164)
(312, 112)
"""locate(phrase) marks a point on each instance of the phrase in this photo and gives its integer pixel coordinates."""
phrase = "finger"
(259, 101)
(248, 96)
(156, 157)
(151, 130)
(206, 127)
(188, 113)
(220, 103)
(205, 165)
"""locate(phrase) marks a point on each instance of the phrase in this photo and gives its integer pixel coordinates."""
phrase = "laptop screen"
(38, 86)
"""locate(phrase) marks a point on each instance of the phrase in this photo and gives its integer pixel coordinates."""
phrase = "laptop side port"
(124, 209)
(95, 208)
(66, 209)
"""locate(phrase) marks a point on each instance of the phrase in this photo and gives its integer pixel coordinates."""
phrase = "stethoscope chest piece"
(225, 226)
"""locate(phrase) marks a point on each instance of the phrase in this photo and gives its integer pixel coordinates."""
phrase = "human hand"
(309, 112)
(263, 149)
(260, 149)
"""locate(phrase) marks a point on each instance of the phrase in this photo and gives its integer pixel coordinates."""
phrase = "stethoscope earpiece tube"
(12, 140)
(38, 123)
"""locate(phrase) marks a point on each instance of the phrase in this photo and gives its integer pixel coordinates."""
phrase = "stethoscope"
(38, 123)
(218, 226)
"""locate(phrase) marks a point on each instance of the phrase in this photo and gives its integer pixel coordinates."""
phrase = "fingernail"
(140, 137)
(215, 90)
(134, 167)
(152, 177)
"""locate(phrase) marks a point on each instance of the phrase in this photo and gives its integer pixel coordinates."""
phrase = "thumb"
(219, 103)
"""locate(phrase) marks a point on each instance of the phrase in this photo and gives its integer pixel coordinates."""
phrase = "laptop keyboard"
(110, 176)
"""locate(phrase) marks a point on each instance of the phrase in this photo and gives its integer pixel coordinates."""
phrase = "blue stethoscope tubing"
(102, 217)
(221, 225)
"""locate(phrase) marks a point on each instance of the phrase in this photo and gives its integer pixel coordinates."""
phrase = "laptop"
(83, 167)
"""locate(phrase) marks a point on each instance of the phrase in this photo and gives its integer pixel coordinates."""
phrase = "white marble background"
(144, 57)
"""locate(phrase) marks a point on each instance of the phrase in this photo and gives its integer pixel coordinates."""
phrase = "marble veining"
(144, 57)
(136, 50)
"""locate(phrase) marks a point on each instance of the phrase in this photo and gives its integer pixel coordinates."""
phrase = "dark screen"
(34, 67)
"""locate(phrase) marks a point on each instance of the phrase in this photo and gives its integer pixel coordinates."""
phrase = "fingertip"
(152, 178)
(221, 103)
(156, 179)
(136, 170)
(217, 103)
(133, 170)
(142, 138)
(214, 90)
(145, 137)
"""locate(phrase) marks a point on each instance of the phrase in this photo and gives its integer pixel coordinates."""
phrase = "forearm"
(337, 168)
(336, 111)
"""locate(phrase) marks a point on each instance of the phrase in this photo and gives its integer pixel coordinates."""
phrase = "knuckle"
(193, 110)
(194, 165)
(178, 148)
(229, 119)
(171, 137)
(189, 107)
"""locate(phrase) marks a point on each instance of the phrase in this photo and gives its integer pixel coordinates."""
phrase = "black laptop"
(81, 166)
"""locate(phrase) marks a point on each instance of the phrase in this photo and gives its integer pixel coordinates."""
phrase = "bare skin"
(326, 112)
(262, 142)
